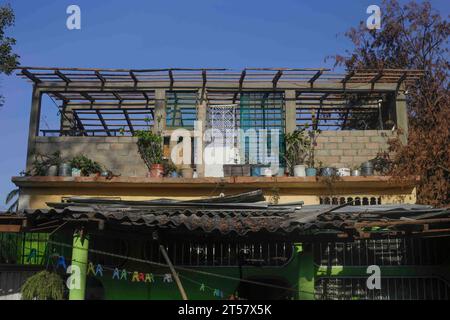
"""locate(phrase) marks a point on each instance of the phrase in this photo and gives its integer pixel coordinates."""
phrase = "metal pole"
(80, 259)
(174, 274)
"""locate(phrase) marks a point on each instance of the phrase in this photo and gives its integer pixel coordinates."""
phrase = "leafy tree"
(8, 59)
(413, 36)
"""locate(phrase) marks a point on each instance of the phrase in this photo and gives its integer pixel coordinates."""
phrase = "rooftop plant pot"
(52, 171)
(156, 170)
(343, 172)
(300, 170)
(65, 170)
(367, 168)
(328, 172)
(311, 172)
(187, 172)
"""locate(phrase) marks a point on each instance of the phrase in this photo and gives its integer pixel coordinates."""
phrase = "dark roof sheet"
(289, 220)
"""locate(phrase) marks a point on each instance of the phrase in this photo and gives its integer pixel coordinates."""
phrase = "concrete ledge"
(373, 182)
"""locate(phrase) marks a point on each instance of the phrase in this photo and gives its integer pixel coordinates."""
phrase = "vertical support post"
(33, 131)
(80, 260)
(305, 271)
(174, 273)
(402, 116)
(290, 112)
(160, 110)
(202, 108)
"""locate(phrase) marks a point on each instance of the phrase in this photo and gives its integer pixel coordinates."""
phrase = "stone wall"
(350, 148)
(118, 154)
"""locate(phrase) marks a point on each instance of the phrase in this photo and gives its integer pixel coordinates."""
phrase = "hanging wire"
(185, 269)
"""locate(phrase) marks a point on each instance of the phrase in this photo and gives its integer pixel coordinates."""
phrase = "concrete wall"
(118, 154)
(350, 148)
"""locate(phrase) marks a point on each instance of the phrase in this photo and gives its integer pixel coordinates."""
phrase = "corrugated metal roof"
(289, 220)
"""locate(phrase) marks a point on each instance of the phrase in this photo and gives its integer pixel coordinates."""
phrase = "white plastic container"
(344, 172)
(300, 170)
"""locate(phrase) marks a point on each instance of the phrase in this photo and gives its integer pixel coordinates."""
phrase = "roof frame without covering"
(131, 92)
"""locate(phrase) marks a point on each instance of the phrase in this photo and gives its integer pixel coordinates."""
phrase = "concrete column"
(33, 130)
(402, 116)
(290, 110)
(305, 272)
(202, 109)
(80, 259)
(160, 110)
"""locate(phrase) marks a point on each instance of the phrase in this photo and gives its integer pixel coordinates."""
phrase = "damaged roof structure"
(242, 215)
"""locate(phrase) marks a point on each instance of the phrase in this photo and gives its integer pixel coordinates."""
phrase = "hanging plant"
(43, 285)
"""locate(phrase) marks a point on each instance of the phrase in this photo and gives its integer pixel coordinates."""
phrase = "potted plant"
(47, 165)
(151, 150)
(86, 166)
(313, 135)
(297, 149)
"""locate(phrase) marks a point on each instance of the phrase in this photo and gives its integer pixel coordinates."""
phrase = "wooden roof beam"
(31, 76)
(241, 83)
(171, 78)
(87, 96)
(133, 76)
(79, 123)
(62, 76)
(127, 117)
(315, 77)
(276, 78)
(100, 77)
(100, 117)
(401, 80)
(374, 80)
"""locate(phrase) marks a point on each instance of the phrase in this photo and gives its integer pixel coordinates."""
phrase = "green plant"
(42, 162)
(13, 198)
(313, 135)
(43, 285)
(170, 167)
(298, 145)
(86, 165)
(150, 147)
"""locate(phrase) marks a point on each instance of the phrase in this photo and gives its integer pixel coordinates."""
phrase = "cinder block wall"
(118, 154)
(350, 148)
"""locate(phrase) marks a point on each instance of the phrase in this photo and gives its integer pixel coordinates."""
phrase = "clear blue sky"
(157, 33)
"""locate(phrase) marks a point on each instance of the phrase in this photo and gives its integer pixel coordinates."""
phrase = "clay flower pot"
(156, 170)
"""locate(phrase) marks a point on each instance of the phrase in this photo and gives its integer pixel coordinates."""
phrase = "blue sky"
(156, 33)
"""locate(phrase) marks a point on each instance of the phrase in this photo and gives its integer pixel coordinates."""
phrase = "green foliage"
(150, 147)
(86, 165)
(13, 199)
(42, 162)
(298, 146)
(8, 59)
(43, 285)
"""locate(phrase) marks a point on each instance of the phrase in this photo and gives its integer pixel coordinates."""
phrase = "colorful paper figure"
(99, 270)
(167, 278)
(32, 255)
(61, 262)
(149, 277)
(135, 277)
(116, 274)
(123, 275)
(218, 293)
(90, 269)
